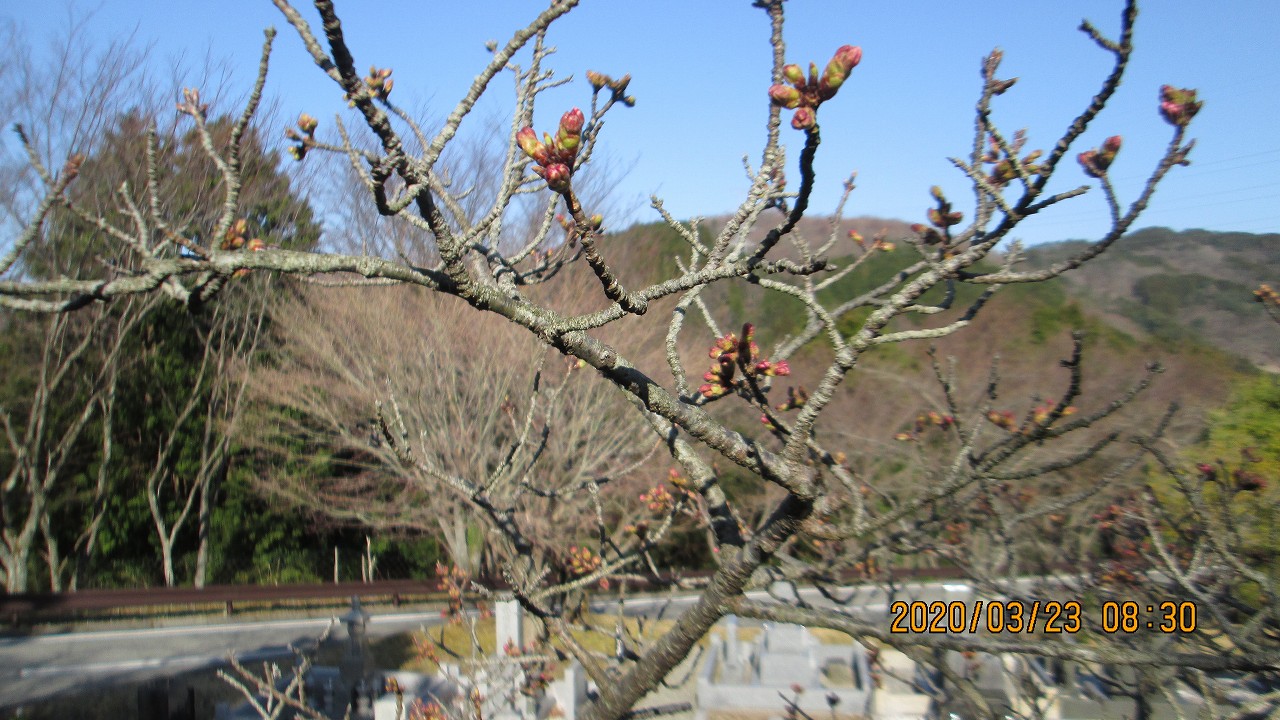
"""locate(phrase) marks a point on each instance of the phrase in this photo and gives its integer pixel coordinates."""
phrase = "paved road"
(41, 666)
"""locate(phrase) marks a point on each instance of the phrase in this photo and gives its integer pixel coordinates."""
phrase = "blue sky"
(700, 74)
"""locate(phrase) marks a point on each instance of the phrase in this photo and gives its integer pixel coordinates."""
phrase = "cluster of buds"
(925, 421)
(582, 561)
(595, 223)
(1040, 416)
(868, 568)
(618, 88)
(941, 218)
(1096, 162)
(796, 398)
(1266, 295)
(679, 481)
(555, 155)
(379, 82)
(1005, 166)
(878, 242)
(234, 239)
(804, 95)
(1004, 419)
(1178, 105)
(425, 648)
(305, 140)
(730, 353)
(658, 499)
(191, 104)
(452, 580)
(1242, 480)
(426, 711)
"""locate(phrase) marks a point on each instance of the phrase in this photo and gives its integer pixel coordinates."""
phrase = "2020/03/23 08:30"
(1030, 616)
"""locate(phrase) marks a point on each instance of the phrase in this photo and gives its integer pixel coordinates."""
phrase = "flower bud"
(619, 86)
(1089, 163)
(785, 96)
(838, 68)
(848, 56)
(804, 119)
(527, 139)
(571, 122)
(72, 167)
(793, 74)
(557, 177)
(1112, 144)
(307, 124)
(1178, 105)
(256, 245)
(598, 80)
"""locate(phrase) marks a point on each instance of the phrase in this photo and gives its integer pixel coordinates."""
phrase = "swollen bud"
(571, 122)
(785, 96)
(804, 119)
(845, 59)
(307, 124)
(557, 177)
(793, 74)
(1178, 105)
(528, 141)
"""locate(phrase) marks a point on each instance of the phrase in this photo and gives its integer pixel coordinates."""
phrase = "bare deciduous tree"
(971, 510)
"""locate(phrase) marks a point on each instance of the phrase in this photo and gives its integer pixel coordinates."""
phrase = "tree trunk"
(203, 519)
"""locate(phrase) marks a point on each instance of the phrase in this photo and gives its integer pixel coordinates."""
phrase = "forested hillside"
(1179, 286)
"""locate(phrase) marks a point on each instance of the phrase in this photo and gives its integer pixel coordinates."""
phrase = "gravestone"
(509, 619)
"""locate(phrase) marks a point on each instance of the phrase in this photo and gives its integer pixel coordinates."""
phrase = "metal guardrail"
(18, 607)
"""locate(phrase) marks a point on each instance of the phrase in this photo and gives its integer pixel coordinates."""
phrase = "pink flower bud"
(785, 96)
(804, 119)
(1112, 144)
(528, 141)
(849, 56)
(572, 122)
(557, 177)
(1178, 105)
(793, 74)
(1089, 163)
(838, 68)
